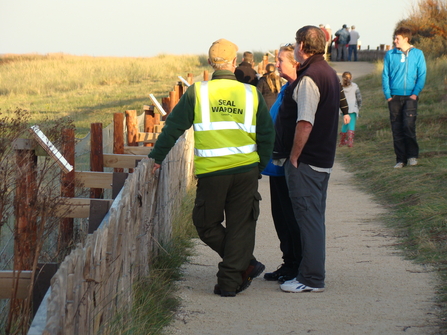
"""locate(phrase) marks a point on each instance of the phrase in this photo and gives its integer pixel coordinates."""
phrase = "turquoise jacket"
(403, 73)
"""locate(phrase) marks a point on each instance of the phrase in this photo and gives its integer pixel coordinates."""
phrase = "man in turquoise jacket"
(403, 78)
(233, 135)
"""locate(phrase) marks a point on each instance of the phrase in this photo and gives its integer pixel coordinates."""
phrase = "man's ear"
(235, 61)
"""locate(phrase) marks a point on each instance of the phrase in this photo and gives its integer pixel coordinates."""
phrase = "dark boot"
(342, 139)
(350, 139)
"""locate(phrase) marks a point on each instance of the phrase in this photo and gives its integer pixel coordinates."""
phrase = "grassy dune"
(88, 89)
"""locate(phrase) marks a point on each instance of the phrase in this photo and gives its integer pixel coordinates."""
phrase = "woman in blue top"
(281, 206)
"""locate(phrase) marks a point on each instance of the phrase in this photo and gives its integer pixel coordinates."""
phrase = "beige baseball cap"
(222, 51)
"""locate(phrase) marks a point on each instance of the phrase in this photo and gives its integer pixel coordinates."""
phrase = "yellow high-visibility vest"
(224, 125)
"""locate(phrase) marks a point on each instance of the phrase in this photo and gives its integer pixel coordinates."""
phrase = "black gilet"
(320, 148)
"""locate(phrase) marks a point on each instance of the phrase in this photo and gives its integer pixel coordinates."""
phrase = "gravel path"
(370, 288)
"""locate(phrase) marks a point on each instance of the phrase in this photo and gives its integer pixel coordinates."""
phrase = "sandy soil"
(370, 288)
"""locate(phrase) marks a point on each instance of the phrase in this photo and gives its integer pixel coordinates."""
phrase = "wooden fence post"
(65, 238)
(150, 120)
(179, 90)
(206, 75)
(25, 231)
(26, 220)
(166, 104)
(172, 100)
(190, 78)
(132, 129)
(118, 136)
(96, 156)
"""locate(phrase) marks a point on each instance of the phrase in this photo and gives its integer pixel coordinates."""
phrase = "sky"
(146, 28)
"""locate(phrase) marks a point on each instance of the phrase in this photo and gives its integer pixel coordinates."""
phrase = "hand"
(389, 99)
(156, 167)
(346, 119)
(294, 161)
(413, 97)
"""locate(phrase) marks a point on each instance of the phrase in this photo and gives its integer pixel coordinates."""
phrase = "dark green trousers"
(235, 199)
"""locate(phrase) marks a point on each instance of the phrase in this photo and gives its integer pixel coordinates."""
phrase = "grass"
(88, 89)
(415, 196)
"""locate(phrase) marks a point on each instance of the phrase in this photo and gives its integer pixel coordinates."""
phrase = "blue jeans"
(352, 48)
(341, 52)
(403, 114)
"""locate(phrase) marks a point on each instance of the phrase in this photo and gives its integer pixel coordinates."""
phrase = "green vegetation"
(428, 23)
(88, 89)
(415, 196)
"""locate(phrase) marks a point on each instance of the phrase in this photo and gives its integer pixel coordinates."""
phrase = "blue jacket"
(271, 169)
(403, 73)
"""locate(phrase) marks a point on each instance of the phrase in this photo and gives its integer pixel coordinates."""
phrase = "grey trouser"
(235, 199)
(307, 190)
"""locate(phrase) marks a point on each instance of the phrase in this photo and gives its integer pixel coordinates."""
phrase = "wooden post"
(276, 56)
(25, 231)
(26, 220)
(206, 75)
(96, 156)
(178, 90)
(190, 79)
(65, 239)
(132, 129)
(166, 103)
(118, 136)
(172, 100)
(150, 122)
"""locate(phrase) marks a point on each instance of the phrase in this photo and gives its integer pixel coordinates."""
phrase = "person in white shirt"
(353, 43)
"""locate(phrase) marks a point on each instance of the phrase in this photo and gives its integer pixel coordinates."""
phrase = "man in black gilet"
(306, 137)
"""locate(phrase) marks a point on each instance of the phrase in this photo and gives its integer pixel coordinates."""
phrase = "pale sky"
(145, 28)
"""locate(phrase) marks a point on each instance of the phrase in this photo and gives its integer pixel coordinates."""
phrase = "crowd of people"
(247, 125)
(343, 45)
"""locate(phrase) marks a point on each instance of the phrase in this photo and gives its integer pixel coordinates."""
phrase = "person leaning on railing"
(233, 135)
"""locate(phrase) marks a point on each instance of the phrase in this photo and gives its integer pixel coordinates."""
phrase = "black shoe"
(223, 293)
(282, 271)
(254, 270)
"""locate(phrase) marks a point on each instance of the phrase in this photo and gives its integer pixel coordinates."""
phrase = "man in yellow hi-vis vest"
(234, 135)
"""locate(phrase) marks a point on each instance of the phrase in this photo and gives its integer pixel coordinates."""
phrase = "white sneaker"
(295, 286)
(399, 165)
(412, 161)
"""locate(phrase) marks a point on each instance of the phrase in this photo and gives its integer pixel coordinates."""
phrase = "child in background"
(354, 98)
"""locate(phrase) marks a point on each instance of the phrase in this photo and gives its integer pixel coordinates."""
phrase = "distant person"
(281, 206)
(334, 50)
(305, 143)
(353, 43)
(269, 85)
(343, 40)
(245, 73)
(329, 50)
(403, 78)
(354, 99)
(233, 140)
(328, 40)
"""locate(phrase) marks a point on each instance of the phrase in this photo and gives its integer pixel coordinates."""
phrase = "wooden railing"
(96, 279)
